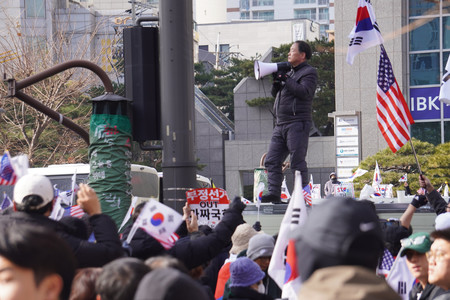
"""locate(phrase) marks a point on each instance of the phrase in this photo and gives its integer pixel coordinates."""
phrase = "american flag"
(74, 211)
(393, 114)
(386, 263)
(6, 202)
(307, 194)
(7, 174)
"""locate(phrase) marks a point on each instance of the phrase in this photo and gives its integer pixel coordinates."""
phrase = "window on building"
(304, 1)
(446, 32)
(446, 131)
(424, 68)
(324, 2)
(323, 14)
(424, 37)
(305, 14)
(323, 30)
(262, 2)
(203, 47)
(421, 7)
(429, 49)
(244, 4)
(35, 8)
(427, 132)
(263, 15)
(245, 15)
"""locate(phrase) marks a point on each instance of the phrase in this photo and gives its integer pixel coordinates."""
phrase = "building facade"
(320, 11)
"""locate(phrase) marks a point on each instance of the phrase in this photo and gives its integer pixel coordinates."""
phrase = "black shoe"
(269, 198)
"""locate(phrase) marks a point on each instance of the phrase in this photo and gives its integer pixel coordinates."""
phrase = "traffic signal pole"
(177, 100)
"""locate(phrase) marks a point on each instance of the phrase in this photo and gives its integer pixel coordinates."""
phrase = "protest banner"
(208, 204)
(345, 189)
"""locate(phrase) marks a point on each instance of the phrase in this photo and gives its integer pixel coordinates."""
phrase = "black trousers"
(291, 138)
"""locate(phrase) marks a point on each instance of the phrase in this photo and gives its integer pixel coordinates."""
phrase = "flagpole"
(415, 156)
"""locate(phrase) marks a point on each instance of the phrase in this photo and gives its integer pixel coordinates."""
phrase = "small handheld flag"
(6, 202)
(7, 174)
(404, 178)
(159, 221)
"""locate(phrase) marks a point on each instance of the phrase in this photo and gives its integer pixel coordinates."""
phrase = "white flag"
(365, 33)
(444, 93)
(399, 278)
(357, 173)
(129, 212)
(159, 221)
(285, 195)
(294, 217)
(376, 176)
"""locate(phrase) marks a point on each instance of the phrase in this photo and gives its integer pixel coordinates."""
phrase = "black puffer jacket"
(294, 101)
(106, 248)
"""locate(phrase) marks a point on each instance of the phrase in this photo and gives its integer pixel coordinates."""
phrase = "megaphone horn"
(262, 69)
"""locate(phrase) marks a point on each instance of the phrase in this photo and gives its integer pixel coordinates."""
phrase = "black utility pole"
(177, 100)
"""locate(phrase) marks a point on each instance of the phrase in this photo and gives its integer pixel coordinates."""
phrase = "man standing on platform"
(293, 92)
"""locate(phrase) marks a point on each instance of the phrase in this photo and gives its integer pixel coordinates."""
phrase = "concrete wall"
(209, 149)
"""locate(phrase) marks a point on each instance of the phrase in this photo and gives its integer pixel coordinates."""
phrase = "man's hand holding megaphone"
(280, 76)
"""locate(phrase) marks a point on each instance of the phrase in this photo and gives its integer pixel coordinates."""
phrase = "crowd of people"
(339, 250)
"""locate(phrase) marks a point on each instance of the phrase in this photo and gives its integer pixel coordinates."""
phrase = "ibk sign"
(425, 105)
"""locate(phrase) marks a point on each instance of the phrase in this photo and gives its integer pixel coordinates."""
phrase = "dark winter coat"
(107, 247)
(436, 202)
(294, 100)
(247, 293)
(428, 293)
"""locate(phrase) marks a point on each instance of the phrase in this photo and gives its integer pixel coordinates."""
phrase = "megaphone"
(262, 69)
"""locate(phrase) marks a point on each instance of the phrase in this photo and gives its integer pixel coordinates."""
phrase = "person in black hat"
(338, 250)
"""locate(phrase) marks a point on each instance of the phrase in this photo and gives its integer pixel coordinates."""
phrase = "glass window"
(323, 14)
(305, 14)
(304, 1)
(244, 4)
(245, 15)
(427, 132)
(424, 69)
(323, 30)
(421, 7)
(262, 2)
(446, 131)
(263, 15)
(446, 32)
(444, 60)
(203, 47)
(424, 37)
(35, 8)
(324, 2)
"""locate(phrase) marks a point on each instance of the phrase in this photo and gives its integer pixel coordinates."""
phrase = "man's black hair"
(305, 48)
(120, 278)
(443, 234)
(30, 202)
(40, 250)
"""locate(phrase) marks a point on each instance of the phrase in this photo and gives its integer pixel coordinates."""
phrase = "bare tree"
(27, 49)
